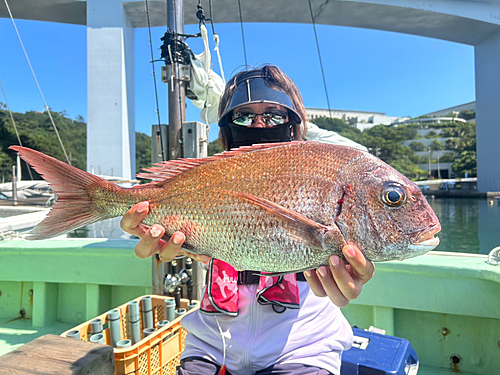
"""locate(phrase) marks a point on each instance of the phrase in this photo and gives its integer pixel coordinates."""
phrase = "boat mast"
(176, 91)
(175, 74)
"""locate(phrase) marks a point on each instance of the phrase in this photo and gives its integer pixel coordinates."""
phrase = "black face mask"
(244, 136)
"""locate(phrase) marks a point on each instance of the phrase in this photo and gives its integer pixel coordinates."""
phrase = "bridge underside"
(475, 23)
(456, 25)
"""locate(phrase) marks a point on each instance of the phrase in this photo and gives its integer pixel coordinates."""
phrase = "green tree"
(447, 132)
(432, 134)
(467, 114)
(385, 142)
(467, 142)
(340, 127)
(36, 131)
(407, 168)
(451, 144)
(142, 151)
(465, 129)
(447, 157)
(467, 163)
(436, 145)
(214, 147)
(407, 132)
(417, 146)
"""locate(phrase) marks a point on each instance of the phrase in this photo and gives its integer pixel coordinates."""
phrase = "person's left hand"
(341, 282)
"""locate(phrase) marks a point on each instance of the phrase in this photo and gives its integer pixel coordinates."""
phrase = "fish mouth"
(427, 239)
(424, 242)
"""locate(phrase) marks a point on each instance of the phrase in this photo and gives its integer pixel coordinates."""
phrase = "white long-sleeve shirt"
(316, 334)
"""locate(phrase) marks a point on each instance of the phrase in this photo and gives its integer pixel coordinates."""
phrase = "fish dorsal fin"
(168, 169)
(299, 227)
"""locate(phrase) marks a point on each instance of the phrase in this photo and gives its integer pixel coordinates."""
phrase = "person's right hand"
(150, 237)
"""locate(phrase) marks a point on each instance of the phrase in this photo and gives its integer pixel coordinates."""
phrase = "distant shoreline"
(461, 194)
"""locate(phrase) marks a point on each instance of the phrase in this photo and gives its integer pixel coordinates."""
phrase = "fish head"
(391, 219)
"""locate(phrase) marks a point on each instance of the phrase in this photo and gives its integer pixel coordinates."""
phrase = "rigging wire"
(243, 35)
(15, 127)
(46, 107)
(153, 65)
(201, 16)
(211, 16)
(216, 39)
(320, 60)
(154, 79)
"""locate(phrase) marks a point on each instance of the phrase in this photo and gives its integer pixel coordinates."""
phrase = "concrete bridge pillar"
(487, 65)
(110, 72)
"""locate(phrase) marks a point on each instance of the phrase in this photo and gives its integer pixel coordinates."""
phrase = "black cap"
(252, 87)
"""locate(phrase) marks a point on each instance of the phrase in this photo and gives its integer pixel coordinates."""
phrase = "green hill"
(388, 143)
(36, 131)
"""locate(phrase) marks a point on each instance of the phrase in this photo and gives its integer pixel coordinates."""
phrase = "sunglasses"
(271, 118)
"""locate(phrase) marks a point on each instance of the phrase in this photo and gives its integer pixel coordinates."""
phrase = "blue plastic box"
(376, 354)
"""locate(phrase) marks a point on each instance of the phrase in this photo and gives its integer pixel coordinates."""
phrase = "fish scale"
(272, 208)
(258, 238)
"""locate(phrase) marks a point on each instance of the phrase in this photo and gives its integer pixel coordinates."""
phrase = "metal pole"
(159, 143)
(428, 148)
(14, 186)
(19, 170)
(176, 93)
(176, 115)
(439, 172)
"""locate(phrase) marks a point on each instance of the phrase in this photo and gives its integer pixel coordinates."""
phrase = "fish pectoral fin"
(277, 210)
(300, 228)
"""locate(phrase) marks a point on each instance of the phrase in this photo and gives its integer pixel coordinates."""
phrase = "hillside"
(36, 131)
(390, 143)
(400, 147)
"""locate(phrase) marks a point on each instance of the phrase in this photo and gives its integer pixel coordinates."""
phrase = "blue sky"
(366, 70)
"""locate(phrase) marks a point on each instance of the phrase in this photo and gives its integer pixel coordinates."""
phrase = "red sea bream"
(271, 208)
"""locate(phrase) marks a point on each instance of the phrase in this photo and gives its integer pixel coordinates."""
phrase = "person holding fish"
(281, 223)
(250, 323)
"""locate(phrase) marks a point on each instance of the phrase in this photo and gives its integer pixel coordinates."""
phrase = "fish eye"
(393, 195)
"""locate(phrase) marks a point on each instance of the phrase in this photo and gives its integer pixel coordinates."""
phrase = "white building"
(462, 107)
(432, 120)
(359, 119)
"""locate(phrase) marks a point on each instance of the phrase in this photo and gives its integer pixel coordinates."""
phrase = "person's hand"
(341, 282)
(150, 237)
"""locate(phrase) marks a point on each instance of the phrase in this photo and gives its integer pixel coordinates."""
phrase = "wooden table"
(51, 354)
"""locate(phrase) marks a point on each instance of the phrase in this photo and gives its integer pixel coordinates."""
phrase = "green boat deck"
(51, 286)
(445, 304)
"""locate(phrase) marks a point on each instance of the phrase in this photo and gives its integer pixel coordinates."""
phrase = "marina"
(468, 225)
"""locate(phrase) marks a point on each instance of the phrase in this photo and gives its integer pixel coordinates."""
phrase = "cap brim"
(255, 90)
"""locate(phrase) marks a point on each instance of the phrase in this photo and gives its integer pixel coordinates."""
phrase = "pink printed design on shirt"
(221, 293)
(279, 290)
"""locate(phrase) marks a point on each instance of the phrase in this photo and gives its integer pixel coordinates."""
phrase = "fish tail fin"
(74, 207)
